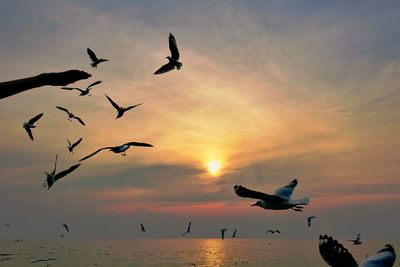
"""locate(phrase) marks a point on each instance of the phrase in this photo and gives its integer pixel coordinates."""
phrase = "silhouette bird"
(357, 241)
(142, 228)
(280, 201)
(121, 110)
(335, 255)
(83, 91)
(95, 60)
(53, 177)
(66, 227)
(71, 116)
(188, 229)
(72, 146)
(62, 236)
(309, 220)
(234, 233)
(118, 149)
(173, 59)
(223, 233)
(273, 231)
(7, 224)
(30, 124)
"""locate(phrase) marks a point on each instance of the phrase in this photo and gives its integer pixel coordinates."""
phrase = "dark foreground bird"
(188, 229)
(335, 255)
(118, 149)
(83, 91)
(93, 57)
(173, 59)
(53, 177)
(72, 146)
(120, 110)
(273, 231)
(71, 115)
(30, 124)
(280, 201)
(142, 228)
(356, 241)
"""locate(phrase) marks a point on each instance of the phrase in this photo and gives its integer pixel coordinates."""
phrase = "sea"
(173, 252)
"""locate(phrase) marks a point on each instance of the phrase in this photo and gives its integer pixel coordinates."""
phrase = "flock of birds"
(331, 250)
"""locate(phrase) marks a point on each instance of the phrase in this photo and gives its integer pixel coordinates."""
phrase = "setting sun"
(213, 167)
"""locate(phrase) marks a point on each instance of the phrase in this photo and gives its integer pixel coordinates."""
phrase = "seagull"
(142, 228)
(280, 201)
(118, 149)
(273, 231)
(95, 60)
(188, 229)
(234, 233)
(356, 241)
(72, 146)
(121, 110)
(71, 116)
(66, 227)
(30, 124)
(223, 232)
(173, 59)
(336, 255)
(53, 177)
(309, 219)
(83, 91)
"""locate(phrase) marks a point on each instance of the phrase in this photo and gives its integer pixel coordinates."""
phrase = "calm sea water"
(173, 252)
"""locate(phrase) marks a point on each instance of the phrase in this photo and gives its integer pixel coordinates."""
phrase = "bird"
(142, 228)
(66, 227)
(30, 124)
(234, 233)
(120, 110)
(356, 241)
(118, 149)
(173, 59)
(53, 177)
(223, 233)
(273, 231)
(188, 229)
(335, 255)
(72, 146)
(93, 57)
(281, 200)
(83, 91)
(62, 236)
(309, 220)
(71, 116)
(7, 224)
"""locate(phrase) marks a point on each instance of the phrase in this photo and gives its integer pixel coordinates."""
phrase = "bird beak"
(255, 204)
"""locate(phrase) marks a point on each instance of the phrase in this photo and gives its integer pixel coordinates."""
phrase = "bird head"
(258, 203)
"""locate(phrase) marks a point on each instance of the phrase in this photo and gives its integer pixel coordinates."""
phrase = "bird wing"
(92, 55)
(29, 131)
(242, 191)
(134, 106)
(94, 153)
(165, 68)
(35, 119)
(173, 47)
(72, 88)
(63, 109)
(80, 120)
(115, 105)
(286, 191)
(93, 84)
(188, 229)
(278, 231)
(66, 227)
(66, 172)
(384, 258)
(138, 144)
(69, 143)
(55, 165)
(77, 143)
(334, 253)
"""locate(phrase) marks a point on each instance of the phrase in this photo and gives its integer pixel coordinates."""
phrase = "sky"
(271, 90)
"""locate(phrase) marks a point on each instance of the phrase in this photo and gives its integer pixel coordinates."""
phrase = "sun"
(213, 167)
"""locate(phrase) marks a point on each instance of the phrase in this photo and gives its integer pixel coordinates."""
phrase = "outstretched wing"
(66, 227)
(286, 191)
(80, 120)
(242, 191)
(334, 253)
(29, 131)
(173, 47)
(165, 68)
(115, 105)
(94, 153)
(63, 109)
(131, 107)
(92, 55)
(35, 119)
(138, 144)
(77, 142)
(55, 165)
(72, 88)
(93, 84)
(188, 229)
(66, 172)
(384, 258)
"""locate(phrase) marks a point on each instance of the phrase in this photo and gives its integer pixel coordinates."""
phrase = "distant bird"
(121, 110)
(273, 231)
(188, 229)
(223, 233)
(356, 241)
(95, 60)
(309, 219)
(173, 59)
(66, 227)
(83, 91)
(335, 255)
(7, 224)
(30, 124)
(234, 233)
(53, 177)
(71, 116)
(118, 149)
(72, 146)
(142, 228)
(62, 236)
(280, 201)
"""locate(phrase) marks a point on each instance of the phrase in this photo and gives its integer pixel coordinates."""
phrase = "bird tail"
(179, 66)
(302, 201)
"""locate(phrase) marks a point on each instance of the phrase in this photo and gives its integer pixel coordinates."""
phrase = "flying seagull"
(95, 60)
(234, 233)
(121, 110)
(30, 124)
(188, 229)
(142, 228)
(173, 59)
(72, 146)
(53, 177)
(309, 220)
(118, 149)
(223, 233)
(280, 201)
(66, 227)
(273, 231)
(335, 255)
(357, 241)
(83, 91)
(71, 116)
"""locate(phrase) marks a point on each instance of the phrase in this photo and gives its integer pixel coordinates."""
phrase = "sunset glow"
(213, 167)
